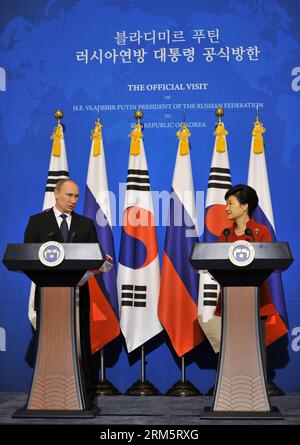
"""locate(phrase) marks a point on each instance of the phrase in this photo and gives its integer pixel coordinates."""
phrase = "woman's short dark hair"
(245, 195)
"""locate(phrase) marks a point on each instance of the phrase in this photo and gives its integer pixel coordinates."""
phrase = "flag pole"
(183, 340)
(103, 288)
(142, 364)
(273, 389)
(183, 388)
(104, 387)
(142, 387)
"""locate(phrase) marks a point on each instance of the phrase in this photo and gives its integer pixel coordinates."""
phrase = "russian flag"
(277, 321)
(178, 298)
(104, 312)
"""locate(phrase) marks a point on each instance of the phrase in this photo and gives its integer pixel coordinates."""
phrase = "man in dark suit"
(46, 226)
(62, 224)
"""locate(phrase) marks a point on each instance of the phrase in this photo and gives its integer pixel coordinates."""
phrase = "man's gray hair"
(61, 182)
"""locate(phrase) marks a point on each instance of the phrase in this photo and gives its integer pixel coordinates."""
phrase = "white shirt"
(59, 219)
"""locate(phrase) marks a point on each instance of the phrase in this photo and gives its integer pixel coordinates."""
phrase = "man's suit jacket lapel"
(74, 228)
(53, 226)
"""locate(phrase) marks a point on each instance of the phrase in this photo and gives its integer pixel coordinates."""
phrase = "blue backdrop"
(175, 61)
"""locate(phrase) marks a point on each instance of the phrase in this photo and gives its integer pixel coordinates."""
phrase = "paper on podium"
(106, 266)
(85, 277)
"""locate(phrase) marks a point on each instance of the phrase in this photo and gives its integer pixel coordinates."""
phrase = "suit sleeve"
(93, 237)
(31, 232)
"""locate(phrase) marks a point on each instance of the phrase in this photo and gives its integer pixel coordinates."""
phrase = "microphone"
(49, 236)
(73, 236)
(249, 232)
(226, 233)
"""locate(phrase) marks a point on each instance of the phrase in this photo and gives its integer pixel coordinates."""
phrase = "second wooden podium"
(240, 390)
(58, 386)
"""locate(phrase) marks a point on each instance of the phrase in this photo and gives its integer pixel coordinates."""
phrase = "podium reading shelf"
(240, 390)
(58, 386)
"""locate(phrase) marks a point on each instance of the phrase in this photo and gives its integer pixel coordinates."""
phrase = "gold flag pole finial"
(138, 116)
(183, 135)
(219, 113)
(136, 135)
(58, 115)
(98, 122)
(257, 118)
(57, 134)
(96, 137)
(257, 132)
(220, 131)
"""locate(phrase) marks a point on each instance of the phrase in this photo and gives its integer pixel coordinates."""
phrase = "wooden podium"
(240, 391)
(58, 386)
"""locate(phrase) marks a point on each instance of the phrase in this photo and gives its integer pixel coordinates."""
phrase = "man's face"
(66, 198)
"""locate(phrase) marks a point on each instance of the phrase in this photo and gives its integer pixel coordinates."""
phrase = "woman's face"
(234, 209)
